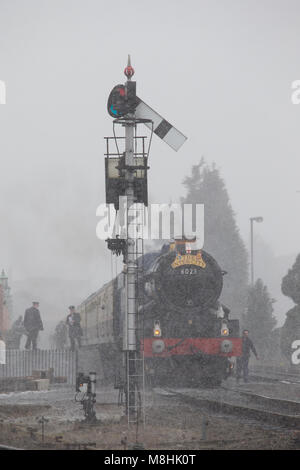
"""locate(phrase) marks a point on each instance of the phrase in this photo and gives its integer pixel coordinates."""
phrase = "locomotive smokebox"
(186, 282)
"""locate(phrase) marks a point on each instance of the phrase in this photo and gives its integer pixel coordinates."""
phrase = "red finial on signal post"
(129, 71)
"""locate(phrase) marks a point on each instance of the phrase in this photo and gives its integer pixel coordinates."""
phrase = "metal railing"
(22, 363)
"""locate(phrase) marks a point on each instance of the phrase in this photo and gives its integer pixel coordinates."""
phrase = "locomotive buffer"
(126, 176)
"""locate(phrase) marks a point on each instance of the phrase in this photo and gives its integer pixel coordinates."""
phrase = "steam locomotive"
(188, 338)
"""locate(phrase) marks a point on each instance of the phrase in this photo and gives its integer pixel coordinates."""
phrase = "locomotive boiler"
(187, 336)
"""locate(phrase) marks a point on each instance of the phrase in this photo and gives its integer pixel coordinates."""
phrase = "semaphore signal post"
(126, 179)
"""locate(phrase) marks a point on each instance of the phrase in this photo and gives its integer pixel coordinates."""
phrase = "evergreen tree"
(290, 287)
(291, 282)
(222, 238)
(259, 319)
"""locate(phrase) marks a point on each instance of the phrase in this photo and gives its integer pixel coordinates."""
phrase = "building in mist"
(5, 303)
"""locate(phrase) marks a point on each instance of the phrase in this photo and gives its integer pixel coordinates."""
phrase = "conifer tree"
(291, 329)
(259, 319)
(291, 282)
(222, 238)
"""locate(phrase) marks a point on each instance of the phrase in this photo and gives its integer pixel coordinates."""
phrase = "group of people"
(32, 325)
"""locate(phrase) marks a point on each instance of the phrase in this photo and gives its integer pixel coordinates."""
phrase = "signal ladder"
(135, 370)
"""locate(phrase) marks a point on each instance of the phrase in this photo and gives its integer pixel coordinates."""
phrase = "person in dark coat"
(75, 331)
(14, 335)
(243, 360)
(32, 324)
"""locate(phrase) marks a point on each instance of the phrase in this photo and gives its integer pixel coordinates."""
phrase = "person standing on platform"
(32, 324)
(243, 360)
(75, 330)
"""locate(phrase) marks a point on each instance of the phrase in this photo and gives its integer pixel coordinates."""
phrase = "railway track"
(291, 406)
(244, 404)
(273, 374)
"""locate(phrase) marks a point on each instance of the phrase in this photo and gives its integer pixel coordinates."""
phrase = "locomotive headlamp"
(157, 330)
(224, 330)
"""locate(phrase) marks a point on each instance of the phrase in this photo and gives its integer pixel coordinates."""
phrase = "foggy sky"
(220, 71)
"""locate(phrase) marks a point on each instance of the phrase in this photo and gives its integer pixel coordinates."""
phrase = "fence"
(22, 363)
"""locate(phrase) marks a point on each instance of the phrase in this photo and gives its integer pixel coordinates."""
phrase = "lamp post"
(253, 219)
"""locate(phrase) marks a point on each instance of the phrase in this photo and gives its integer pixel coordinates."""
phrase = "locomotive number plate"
(188, 271)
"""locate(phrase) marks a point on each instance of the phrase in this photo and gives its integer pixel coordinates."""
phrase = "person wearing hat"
(32, 324)
(75, 330)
